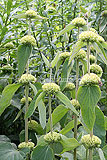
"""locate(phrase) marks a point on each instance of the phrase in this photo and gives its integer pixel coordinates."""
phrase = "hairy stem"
(50, 115)
(88, 60)
(90, 154)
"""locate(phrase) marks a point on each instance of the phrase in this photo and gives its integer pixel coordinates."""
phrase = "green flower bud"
(104, 13)
(81, 54)
(94, 68)
(89, 79)
(69, 86)
(9, 45)
(64, 55)
(90, 142)
(30, 14)
(33, 125)
(92, 48)
(50, 88)
(7, 67)
(23, 100)
(52, 137)
(75, 103)
(100, 39)
(92, 59)
(26, 145)
(28, 40)
(93, 30)
(78, 22)
(88, 36)
(26, 78)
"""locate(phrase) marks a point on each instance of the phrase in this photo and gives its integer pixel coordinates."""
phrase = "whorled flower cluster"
(26, 78)
(88, 36)
(90, 79)
(93, 30)
(94, 68)
(81, 54)
(78, 22)
(32, 125)
(90, 142)
(9, 45)
(64, 55)
(50, 88)
(23, 100)
(69, 86)
(52, 137)
(28, 40)
(92, 59)
(75, 103)
(30, 14)
(100, 39)
(26, 145)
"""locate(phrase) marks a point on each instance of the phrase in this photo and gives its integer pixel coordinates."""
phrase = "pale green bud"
(26, 78)
(75, 103)
(33, 125)
(92, 59)
(52, 137)
(94, 68)
(90, 142)
(93, 30)
(64, 55)
(90, 79)
(100, 39)
(81, 54)
(9, 45)
(30, 14)
(88, 36)
(78, 22)
(7, 67)
(50, 88)
(69, 86)
(28, 40)
(26, 145)
(23, 100)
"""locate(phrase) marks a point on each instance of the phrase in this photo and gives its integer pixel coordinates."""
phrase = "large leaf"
(46, 60)
(88, 96)
(68, 143)
(42, 153)
(57, 115)
(59, 62)
(42, 113)
(9, 5)
(99, 126)
(66, 101)
(7, 95)
(23, 54)
(8, 152)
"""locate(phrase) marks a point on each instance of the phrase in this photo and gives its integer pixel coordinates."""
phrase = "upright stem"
(50, 115)
(26, 109)
(88, 60)
(90, 154)
(86, 154)
(8, 58)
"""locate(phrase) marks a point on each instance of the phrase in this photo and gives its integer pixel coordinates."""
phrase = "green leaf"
(19, 113)
(42, 153)
(68, 127)
(34, 88)
(54, 61)
(59, 62)
(77, 46)
(104, 44)
(42, 113)
(7, 95)
(99, 126)
(83, 9)
(84, 62)
(57, 147)
(57, 115)
(23, 54)
(7, 151)
(66, 29)
(68, 143)
(9, 5)
(88, 96)
(46, 60)
(105, 118)
(101, 154)
(66, 101)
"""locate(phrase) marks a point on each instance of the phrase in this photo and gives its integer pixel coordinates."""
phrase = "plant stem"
(88, 60)
(86, 154)
(50, 115)
(90, 154)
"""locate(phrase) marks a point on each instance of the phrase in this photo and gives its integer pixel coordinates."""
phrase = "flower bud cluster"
(26, 145)
(100, 39)
(50, 88)
(81, 54)
(30, 14)
(23, 100)
(75, 103)
(90, 142)
(90, 79)
(93, 30)
(52, 137)
(69, 86)
(64, 55)
(28, 40)
(32, 125)
(78, 22)
(26, 78)
(92, 59)
(7, 67)
(9, 45)
(88, 36)
(94, 68)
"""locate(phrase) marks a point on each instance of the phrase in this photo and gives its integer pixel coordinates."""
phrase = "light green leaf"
(57, 115)
(7, 95)
(23, 54)
(9, 5)
(18, 115)
(66, 101)
(101, 154)
(34, 88)
(42, 113)
(54, 61)
(83, 9)
(88, 96)
(42, 153)
(59, 62)
(46, 60)
(84, 62)
(105, 118)
(104, 44)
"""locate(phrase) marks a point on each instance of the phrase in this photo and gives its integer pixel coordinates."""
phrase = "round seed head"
(32, 125)
(30, 14)
(52, 137)
(9, 45)
(81, 54)
(69, 86)
(26, 145)
(75, 103)
(92, 59)
(28, 40)
(23, 100)
(26, 78)
(94, 68)
(50, 88)
(88, 36)
(78, 22)
(64, 55)
(90, 142)
(90, 79)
